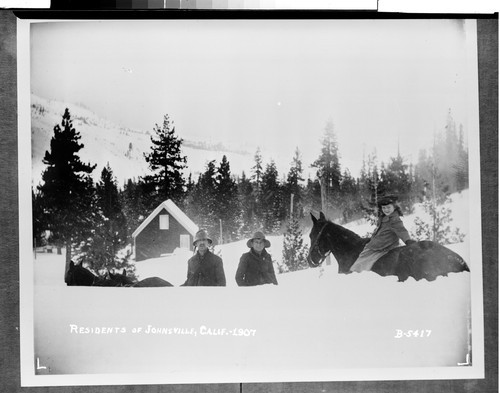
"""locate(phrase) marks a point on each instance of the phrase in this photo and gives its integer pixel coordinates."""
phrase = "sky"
(272, 84)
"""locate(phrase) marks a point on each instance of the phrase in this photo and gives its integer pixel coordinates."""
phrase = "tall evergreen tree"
(350, 203)
(373, 178)
(67, 189)
(134, 205)
(423, 175)
(396, 179)
(370, 187)
(312, 199)
(449, 159)
(202, 202)
(293, 185)
(462, 165)
(38, 219)
(227, 206)
(257, 169)
(110, 233)
(271, 199)
(246, 197)
(294, 249)
(166, 163)
(328, 171)
(257, 172)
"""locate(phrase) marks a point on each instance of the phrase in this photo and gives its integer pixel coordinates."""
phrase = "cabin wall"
(152, 242)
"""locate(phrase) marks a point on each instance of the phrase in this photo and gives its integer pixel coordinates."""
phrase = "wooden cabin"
(164, 230)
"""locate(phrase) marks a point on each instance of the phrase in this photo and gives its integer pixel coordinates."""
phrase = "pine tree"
(396, 179)
(448, 160)
(370, 188)
(257, 171)
(134, 205)
(437, 225)
(38, 220)
(67, 189)
(227, 206)
(422, 174)
(246, 198)
(462, 165)
(202, 202)
(271, 199)
(166, 163)
(329, 172)
(257, 168)
(293, 186)
(294, 249)
(110, 233)
(373, 178)
(350, 201)
(312, 199)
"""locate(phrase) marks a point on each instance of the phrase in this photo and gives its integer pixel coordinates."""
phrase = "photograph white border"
(26, 272)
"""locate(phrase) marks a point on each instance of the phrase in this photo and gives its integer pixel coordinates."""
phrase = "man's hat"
(259, 235)
(201, 235)
(387, 199)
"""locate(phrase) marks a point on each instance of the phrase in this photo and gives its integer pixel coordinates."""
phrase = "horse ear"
(322, 216)
(315, 220)
(71, 264)
(124, 272)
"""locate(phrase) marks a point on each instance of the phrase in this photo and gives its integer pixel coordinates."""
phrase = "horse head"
(318, 251)
(328, 237)
(79, 276)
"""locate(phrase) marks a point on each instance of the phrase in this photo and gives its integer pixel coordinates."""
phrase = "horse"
(149, 282)
(420, 260)
(77, 275)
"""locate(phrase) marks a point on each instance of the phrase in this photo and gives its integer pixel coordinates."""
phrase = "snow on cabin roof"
(177, 213)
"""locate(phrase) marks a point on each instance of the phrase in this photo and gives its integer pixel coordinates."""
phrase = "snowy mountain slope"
(121, 147)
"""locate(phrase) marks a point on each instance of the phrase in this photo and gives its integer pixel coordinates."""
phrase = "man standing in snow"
(204, 268)
(256, 266)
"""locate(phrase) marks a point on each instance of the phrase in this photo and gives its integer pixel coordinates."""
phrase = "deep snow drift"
(314, 325)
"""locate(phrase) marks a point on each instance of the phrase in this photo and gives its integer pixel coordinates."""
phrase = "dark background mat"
(9, 254)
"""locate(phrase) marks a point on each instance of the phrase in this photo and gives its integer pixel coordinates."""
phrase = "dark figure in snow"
(389, 230)
(204, 268)
(256, 266)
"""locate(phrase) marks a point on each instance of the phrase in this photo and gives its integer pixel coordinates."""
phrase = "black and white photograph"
(249, 200)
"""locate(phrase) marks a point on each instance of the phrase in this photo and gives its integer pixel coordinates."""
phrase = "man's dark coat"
(255, 269)
(206, 270)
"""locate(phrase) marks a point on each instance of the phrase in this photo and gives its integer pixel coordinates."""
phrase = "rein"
(316, 245)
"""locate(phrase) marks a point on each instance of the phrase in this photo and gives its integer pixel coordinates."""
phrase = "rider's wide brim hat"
(201, 235)
(258, 235)
(387, 200)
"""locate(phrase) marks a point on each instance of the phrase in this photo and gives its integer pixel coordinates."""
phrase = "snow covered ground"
(314, 325)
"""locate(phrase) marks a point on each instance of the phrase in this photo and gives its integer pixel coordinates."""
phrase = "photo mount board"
(241, 371)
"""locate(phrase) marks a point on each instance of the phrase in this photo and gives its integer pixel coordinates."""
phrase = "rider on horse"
(389, 230)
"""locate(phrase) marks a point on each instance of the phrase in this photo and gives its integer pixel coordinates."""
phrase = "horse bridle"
(316, 245)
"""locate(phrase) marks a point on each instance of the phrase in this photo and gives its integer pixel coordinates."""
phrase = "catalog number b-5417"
(413, 333)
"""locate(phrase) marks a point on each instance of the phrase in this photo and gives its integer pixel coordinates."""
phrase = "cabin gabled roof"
(175, 212)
